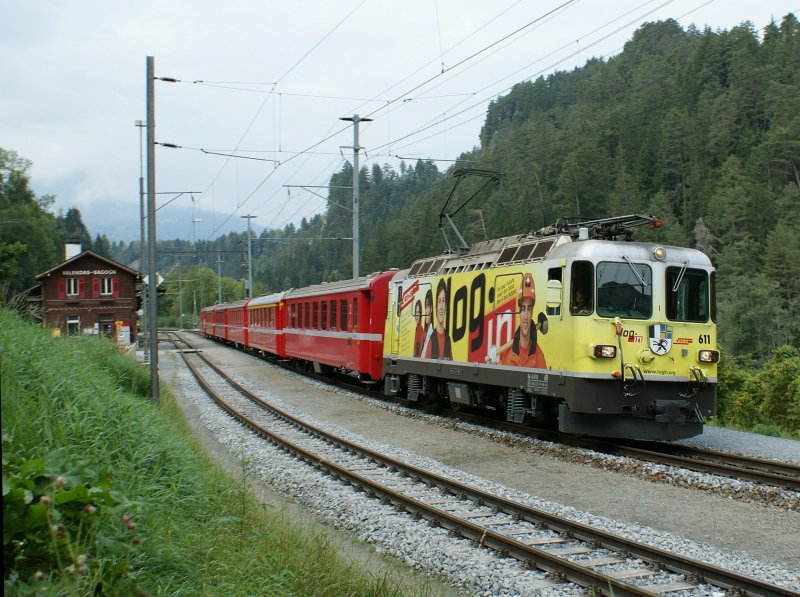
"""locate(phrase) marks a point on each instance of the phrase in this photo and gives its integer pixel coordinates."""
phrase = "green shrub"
(763, 399)
(63, 527)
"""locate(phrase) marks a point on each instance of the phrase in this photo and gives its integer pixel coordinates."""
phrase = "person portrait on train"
(439, 343)
(419, 333)
(524, 350)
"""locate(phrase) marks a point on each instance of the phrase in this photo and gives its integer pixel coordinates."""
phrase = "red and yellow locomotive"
(568, 327)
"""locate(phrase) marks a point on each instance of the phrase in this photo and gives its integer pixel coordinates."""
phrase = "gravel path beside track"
(701, 522)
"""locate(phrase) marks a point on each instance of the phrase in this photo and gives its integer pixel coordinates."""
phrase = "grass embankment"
(105, 493)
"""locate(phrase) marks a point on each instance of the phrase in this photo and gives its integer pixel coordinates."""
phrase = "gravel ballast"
(736, 532)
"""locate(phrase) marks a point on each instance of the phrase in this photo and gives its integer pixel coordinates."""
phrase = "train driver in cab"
(524, 350)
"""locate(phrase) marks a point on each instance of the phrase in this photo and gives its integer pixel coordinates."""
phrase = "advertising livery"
(568, 327)
(589, 333)
(488, 317)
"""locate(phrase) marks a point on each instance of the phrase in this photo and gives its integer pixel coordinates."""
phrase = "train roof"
(510, 250)
(538, 246)
(240, 303)
(268, 299)
(362, 283)
(598, 250)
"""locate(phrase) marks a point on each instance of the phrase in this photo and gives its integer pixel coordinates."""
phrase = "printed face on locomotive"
(480, 312)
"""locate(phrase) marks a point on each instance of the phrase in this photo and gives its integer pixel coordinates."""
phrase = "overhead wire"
(433, 124)
(398, 98)
(258, 112)
(439, 121)
(480, 103)
(761, 74)
(263, 181)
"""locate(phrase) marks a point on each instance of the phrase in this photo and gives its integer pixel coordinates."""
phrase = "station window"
(73, 325)
(343, 315)
(106, 325)
(581, 300)
(72, 287)
(106, 286)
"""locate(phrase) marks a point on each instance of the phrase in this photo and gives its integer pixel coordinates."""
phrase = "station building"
(88, 294)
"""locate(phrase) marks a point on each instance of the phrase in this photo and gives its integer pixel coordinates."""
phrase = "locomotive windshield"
(687, 294)
(624, 290)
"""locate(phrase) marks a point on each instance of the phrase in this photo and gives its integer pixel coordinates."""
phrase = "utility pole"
(219, 278)
(355, 119)
(143, 261)
(194, 238)
(180, 297)
(248, 292)
(152, 294)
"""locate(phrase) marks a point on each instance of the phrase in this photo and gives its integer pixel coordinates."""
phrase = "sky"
(262, 87)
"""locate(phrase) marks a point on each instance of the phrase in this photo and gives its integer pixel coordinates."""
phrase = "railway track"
(566, 550)
(725, 464)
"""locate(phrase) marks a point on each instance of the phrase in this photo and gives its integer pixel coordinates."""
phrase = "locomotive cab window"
(624, 290)
(687, 294)
(581, 300)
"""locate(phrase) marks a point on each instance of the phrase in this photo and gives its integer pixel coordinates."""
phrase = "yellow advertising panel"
(490, 316)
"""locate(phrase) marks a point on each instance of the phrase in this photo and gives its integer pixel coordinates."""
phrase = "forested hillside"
(701, 128)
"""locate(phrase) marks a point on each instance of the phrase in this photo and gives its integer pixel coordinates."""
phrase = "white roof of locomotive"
(598, 250)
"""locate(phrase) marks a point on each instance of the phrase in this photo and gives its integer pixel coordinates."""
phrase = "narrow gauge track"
(567, 550)
(725, 464)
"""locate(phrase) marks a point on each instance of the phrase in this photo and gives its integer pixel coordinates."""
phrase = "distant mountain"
(123, 223)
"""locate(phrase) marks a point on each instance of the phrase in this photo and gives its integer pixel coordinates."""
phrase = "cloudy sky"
(269, 81)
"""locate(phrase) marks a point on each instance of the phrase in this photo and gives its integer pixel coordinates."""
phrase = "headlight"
(660, 253)
(708, 356)
(604, 351)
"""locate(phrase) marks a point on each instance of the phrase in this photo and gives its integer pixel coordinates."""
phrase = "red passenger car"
(207, 321)
(236, 323)
(218, 327)
(339, 325)
(265, 316)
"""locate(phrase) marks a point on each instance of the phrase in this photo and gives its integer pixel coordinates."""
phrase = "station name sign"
(89, 272)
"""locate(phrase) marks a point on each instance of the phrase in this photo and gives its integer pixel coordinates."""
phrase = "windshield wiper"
(680, 276)
(635, 272)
